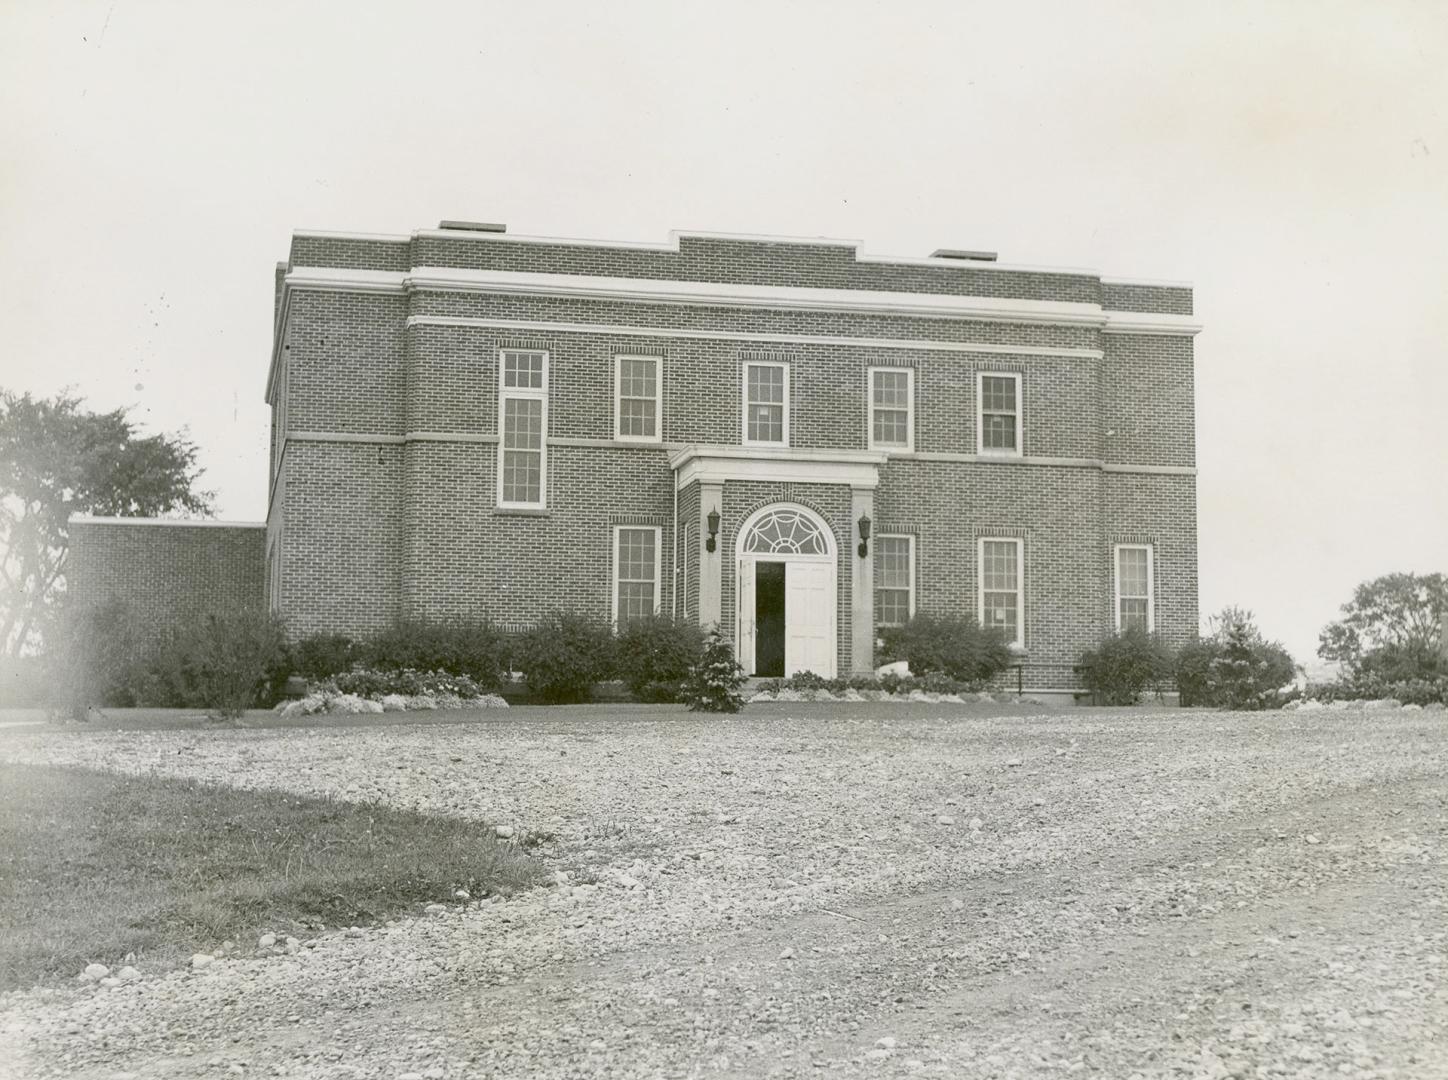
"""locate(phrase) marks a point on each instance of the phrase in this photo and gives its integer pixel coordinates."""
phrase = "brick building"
(780, 436)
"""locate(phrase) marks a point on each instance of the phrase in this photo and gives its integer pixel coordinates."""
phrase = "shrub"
(716, 681)
(1122, 666)
(563, 657)
(471, 647)
(323, 655)
(1234, 667)
(654, 656)
(1372, 688)
(99, 659)
(225, 662)
(953, 645)
(370, 683)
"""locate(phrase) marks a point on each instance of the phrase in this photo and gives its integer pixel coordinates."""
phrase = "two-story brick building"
(783, 437)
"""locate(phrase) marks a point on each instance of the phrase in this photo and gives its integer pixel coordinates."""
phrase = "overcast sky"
(1290, 159)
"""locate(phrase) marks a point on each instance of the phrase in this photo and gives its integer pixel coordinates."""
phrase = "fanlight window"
(786, 532)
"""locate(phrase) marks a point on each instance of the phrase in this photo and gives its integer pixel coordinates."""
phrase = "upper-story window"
(523, 429)
(998, 413)
(892, 408)
(766, 404)
(638, 398)
(1002, 598)
(894, 579)
(1135, 588)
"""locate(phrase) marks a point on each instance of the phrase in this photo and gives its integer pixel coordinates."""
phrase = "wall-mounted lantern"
(864, 524)
(713, 520)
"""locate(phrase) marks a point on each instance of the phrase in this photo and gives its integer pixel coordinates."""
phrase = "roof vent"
(967, 256)
(472, 226)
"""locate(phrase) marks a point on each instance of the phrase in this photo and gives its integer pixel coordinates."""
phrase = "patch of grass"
(95, 867)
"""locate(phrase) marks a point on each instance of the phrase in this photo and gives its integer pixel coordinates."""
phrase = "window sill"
(523, 511)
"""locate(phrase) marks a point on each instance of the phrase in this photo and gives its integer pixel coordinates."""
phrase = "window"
(1000, 588)
(766, 404)
(522, 429)
(894, 580)
(892, 409)
(638, 398)
(999, 413)
(1135, 588)
(635, 572)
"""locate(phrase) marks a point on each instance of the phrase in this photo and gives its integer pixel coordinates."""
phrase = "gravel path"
(870, 891)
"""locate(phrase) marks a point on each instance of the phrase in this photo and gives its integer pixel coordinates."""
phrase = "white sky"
(1290, 159)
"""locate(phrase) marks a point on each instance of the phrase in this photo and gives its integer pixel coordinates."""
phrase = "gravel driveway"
(842, 890)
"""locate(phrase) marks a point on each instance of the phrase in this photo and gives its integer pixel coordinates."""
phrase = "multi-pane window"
(1135, 585)
(999, 415)
(892, 409)
(638, 396)
(766, 404)
(636, 572)
(894, 580)
(522, 428)
(1001, 594)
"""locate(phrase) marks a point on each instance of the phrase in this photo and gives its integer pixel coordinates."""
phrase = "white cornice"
(625, 330)
(1151, 283)
(1150, 322)
(197, 523)
(334, 279)
(715, 464)
(375, 238)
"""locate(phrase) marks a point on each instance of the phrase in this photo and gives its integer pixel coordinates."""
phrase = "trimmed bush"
(1121, 667)
(225, 662)
(716, 682)
(471, 647)
(654, 656)
(953, 645)
(563, 657)
(323, 655)
(1371, 688)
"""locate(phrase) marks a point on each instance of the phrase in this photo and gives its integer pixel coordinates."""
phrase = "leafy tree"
(59, 459)
(1391, 628)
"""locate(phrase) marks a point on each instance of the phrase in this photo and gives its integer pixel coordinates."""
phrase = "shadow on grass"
(96, 867)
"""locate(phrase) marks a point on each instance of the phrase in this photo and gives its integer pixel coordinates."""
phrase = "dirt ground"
(832, 890)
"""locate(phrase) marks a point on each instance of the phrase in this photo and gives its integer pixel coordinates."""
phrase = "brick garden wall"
(166, 572)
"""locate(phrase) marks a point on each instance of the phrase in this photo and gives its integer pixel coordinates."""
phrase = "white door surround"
(795, 535)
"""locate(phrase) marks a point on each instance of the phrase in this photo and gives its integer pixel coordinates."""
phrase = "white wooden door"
(809, 605)
(744, 604)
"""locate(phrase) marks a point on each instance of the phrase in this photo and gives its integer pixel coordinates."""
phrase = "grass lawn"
(95, 867)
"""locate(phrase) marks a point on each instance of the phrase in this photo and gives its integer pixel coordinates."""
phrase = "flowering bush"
(373, 684)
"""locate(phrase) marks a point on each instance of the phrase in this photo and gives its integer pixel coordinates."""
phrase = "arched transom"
(786, 532)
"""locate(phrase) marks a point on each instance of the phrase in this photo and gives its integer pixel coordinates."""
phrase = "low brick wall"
(165, 570)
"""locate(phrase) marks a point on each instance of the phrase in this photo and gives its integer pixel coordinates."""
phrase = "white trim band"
(198, 523)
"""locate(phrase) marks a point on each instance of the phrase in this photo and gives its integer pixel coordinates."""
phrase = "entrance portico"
(784, 580)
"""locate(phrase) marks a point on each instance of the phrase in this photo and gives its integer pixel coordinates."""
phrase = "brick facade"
(165, 571)
(385, 397)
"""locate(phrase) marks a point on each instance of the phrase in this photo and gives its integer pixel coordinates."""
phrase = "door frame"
(744, 573)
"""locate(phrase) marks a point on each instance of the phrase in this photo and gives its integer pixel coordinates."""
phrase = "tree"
(58, 459)
(1234, 666)
(1392, 627)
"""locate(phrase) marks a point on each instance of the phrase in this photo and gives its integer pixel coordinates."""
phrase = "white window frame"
(909, 538)
(909, 444)
(744, 403)
(980, 589)
(980, 447)
(658, 435)
(1150, 583)
(658, 565)
(532, 393)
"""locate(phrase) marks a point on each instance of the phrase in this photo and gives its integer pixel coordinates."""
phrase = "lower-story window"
(1002, 596)
(636, 553)
(894, 579)
(1135, 588)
